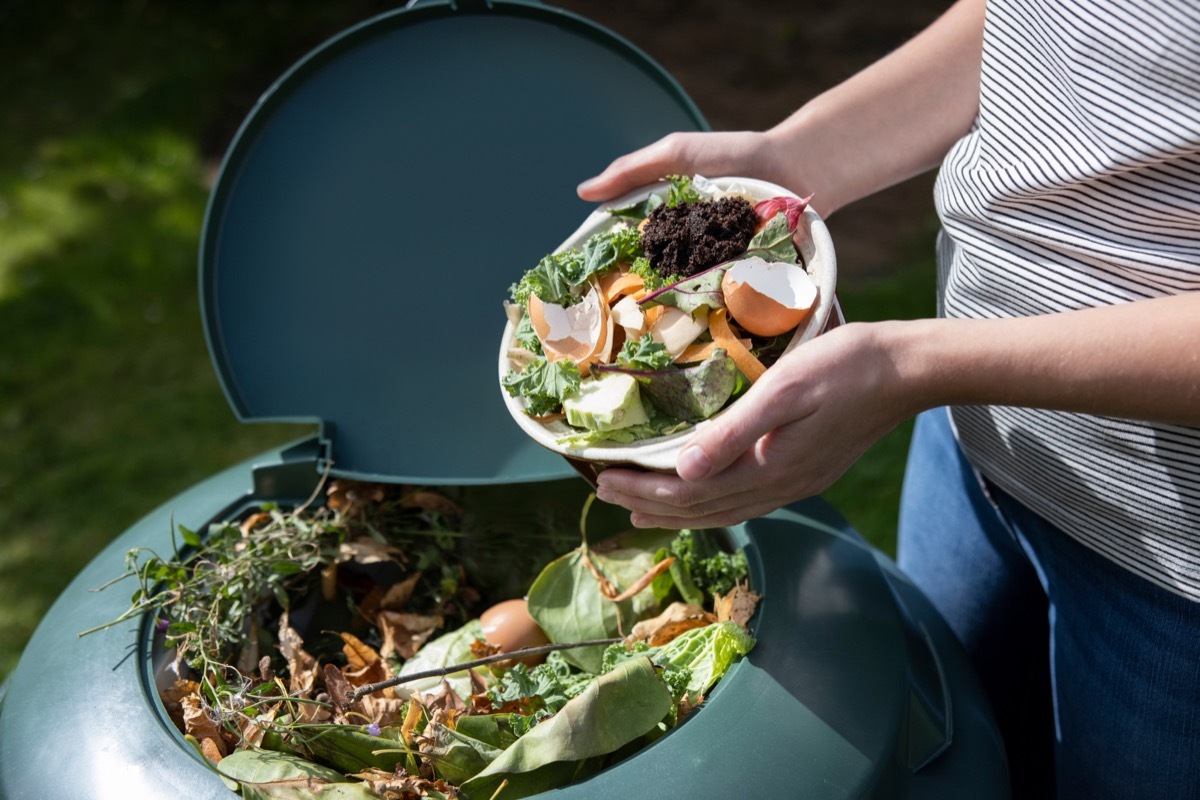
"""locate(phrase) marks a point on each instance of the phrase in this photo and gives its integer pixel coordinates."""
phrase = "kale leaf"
(544, 384)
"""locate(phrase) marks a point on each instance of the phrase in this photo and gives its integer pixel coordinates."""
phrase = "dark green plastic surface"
(378, 203)
(823, 707)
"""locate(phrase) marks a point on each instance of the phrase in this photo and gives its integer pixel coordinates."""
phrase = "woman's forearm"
(895, 119)
(1138, 360)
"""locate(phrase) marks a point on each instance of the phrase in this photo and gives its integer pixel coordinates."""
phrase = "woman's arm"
(820, 407)
(893, 120)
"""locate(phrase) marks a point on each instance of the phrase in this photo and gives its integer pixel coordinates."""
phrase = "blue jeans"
(1093, 672)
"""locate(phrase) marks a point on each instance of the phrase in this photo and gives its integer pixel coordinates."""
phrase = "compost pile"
(404, 642)
(667, 313)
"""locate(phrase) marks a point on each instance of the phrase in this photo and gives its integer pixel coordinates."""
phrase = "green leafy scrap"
(538, 690)
(557, 278)
(616, 709)
(652, 279)
(703, 566)
(644, 354)
(543, 384)
(774, 242)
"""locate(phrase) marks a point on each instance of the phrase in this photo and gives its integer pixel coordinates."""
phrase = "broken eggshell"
(816, 250)
(768, 298)
(581, 333)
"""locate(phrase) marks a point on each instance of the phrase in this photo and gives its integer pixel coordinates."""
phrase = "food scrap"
(662, 317)
(414, 680)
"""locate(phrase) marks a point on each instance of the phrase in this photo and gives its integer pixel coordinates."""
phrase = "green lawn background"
(112, 119)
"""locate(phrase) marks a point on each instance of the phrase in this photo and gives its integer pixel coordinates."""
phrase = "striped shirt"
(1079, 186)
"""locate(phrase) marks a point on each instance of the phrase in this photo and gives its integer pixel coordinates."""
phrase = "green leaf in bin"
(189, 536)
(616, 709)
(455, 756)
(279, 776)
(566, 602)
(352, 750)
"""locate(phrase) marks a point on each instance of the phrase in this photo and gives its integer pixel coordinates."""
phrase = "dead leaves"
(402, 786)
(676, 619)
(737, 606)
(403, 634)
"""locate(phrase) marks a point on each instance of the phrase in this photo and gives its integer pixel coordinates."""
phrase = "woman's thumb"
(717, 445)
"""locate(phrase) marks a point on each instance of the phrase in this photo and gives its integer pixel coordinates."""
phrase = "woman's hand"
(747, 154)
(791, 436)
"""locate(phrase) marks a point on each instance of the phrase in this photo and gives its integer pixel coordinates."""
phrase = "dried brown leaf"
(411, 720)
(247, 660)
(674, 620)
(398, 594)
(431, 501)
(253, 521)
(198, 723)
(254, 730)
(404, 634)
(363, 664)
(443, 698)
(302, 667)
(351, 497)
(384, 711)
(369, 551)
(212, 750)
(172, 699)
(329, 576)
(400, 785)
(739, 605)
(341, 693)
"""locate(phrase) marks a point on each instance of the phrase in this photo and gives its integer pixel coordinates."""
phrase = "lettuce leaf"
(707, 652)
(615, 709)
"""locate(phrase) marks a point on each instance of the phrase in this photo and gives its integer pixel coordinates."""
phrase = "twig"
(371, 688)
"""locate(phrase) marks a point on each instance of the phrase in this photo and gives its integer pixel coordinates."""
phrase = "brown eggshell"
(768, 299)
(509, 626)
(581, 333)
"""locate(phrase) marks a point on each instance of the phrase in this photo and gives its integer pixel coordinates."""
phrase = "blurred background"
(114, 118)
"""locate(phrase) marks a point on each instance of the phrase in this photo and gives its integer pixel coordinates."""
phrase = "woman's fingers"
(713, 154)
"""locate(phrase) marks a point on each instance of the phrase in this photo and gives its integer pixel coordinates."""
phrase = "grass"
(108, 401)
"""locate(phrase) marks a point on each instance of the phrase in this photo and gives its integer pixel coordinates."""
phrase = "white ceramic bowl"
(815, 247)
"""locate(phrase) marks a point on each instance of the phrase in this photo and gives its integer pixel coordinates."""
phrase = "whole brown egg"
(509, 626)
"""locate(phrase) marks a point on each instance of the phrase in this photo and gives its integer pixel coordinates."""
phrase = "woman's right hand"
(748, 154)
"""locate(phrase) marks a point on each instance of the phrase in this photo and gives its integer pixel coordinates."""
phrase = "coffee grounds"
(687, 238)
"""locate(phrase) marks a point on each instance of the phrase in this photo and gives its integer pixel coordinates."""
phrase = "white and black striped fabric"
(1079, 186)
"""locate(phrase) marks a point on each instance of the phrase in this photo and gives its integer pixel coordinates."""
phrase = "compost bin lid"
(377, 204)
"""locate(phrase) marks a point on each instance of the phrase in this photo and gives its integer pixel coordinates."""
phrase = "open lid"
(376, 206)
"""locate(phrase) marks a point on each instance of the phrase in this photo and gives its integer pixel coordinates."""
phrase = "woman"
(1051, 507)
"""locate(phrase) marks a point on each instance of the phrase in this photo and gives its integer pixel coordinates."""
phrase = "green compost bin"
(385, 192)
